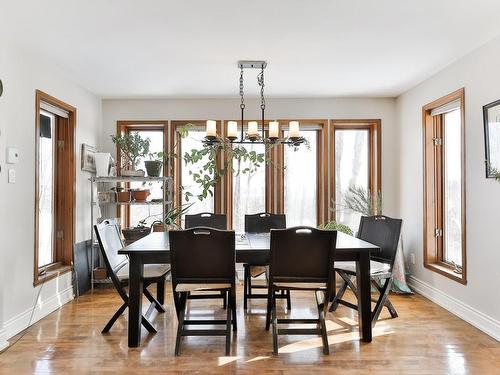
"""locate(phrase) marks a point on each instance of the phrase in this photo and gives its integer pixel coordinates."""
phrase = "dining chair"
(209, 220)
(384, 232)
(260, 223)
(117, 266)
(203, 259)
(301, 258)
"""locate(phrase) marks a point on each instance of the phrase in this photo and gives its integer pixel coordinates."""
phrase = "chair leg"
(351, 285)
(387, 303)
(177, 303)
(228, 328)
(275, 324)
(338, 296)
(160, 291)
(269, 307)
(245, 286)
(180, 326)
(158, 306)
(114, 317)
(288, 300)
(232, 302)
(146, 323)
(322, 324)
(224, 299)
(381, 300)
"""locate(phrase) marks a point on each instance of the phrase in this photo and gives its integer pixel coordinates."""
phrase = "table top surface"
(157, 242)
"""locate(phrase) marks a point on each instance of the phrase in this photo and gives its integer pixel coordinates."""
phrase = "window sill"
(52, 274)
(447, 272)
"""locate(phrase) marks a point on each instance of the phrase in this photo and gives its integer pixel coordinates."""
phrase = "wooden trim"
(433, 188)
(374, 127)
(64, 185)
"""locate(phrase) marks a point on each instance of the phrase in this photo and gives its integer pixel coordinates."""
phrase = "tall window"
(444, 227)
(300, 181)
(356, 166)
(54, 187)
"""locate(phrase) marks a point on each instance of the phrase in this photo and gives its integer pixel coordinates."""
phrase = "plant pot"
(123, 196)
(153, 167)
(135, 233)
(162, 228)
(140, 195)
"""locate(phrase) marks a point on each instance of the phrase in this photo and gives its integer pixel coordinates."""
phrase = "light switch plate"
(12, 176)
(12, 155)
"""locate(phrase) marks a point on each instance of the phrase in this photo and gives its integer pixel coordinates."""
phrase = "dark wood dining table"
(251, 248)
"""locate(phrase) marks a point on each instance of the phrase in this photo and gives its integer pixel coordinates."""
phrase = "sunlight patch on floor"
(222, 361)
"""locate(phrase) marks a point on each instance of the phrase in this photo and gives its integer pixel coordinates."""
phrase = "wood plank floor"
(425, 339)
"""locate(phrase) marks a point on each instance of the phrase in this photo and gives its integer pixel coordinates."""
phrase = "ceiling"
(187, 48)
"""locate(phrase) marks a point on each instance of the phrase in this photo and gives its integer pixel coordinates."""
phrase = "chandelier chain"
(260, 81)
(242, 104)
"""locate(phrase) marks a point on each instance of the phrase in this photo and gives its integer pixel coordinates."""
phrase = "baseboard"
(3, 340)
(23, 320)
(465, 312)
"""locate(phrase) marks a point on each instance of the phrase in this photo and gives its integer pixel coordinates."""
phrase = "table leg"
(364, 296)
(135, 301)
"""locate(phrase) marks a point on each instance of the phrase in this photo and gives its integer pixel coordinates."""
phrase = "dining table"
(252, 248)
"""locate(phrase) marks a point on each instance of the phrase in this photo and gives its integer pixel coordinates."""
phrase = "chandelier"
(253, 135)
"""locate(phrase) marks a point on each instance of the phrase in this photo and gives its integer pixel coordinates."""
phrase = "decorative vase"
(102, 163)
(153, 167)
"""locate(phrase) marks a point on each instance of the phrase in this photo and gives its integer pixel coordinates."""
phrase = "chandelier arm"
(260, 81)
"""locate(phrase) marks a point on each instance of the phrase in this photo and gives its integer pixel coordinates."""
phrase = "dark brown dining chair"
(301, 258)
(206, 219)
(209, 220)
(260, 223)
(117, 266)
(384, 232)
(203, 259)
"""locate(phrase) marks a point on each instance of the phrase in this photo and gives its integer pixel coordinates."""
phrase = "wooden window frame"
(124, 126)
(177, 173)
(277, 176)
(433, 199)
(374, 127)
(65, 190)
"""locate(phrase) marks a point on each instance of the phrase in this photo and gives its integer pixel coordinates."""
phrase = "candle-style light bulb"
(252, 131)
(274, 128)
(211, 128)
(293, 129)
(232, 129)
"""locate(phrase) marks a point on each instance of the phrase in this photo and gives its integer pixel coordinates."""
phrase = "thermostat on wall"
(12, 155)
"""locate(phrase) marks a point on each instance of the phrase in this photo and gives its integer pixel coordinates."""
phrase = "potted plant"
(136, 233)
(132, 147)
(171, 218)
(153, 166)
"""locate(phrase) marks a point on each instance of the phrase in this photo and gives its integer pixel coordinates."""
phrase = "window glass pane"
(191, 142)
(151, 212)
(249, 190)
(351, 169)
(46, 189)
(301, 182)
(452, 188)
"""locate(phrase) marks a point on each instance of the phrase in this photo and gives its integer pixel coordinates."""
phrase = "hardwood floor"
(425, 339)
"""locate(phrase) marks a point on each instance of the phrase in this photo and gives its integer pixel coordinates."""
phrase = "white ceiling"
(187, 48)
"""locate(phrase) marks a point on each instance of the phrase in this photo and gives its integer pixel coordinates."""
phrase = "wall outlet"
(412, 258)
(12, 176)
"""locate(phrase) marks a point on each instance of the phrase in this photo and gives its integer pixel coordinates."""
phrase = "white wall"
(477, 301)
(227, 109)
(22, 74)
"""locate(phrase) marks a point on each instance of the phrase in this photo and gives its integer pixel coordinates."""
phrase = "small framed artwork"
(491, 116)
(88, 158)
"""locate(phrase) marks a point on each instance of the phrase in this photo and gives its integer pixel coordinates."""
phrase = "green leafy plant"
(172, 216)
(333, 225)
(360, 200)
(157, 156)
(494, 172)
(133, 147)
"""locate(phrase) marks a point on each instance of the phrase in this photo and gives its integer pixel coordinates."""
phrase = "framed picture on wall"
(491, 116)
(88, 158)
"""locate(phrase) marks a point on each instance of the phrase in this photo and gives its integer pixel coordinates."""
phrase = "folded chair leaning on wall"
(110, 242)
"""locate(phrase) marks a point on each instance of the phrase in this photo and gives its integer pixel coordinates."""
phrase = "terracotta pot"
(123, 196)
(158, 228)
(140, 195)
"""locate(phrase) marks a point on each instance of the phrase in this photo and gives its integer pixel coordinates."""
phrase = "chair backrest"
(384, 232)
(302, 254)
(206, 219)
(263, 222)
(108, 236)
(202, 255)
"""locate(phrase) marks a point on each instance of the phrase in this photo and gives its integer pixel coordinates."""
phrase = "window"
(356, 165)
(301, 182)
(155, 131)
(444, 198)
(54, 187)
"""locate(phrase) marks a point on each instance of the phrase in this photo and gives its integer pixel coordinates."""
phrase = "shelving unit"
(104, 182)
